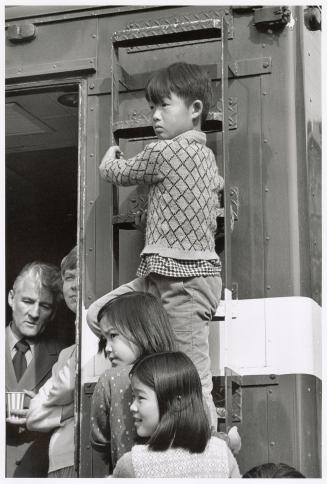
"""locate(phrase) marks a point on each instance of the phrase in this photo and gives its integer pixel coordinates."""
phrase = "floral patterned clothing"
(112, 425)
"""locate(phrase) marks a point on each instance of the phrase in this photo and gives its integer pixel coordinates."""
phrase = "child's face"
(144, 408)
(120, 350)
(171, 117)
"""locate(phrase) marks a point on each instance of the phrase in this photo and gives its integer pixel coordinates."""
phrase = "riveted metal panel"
(253, 428)
(287, 254)
(281, 422)
(310, 59)
(293, 423)
(97, 202)
(54, 13)
(308, 424)
(247, 239)
(68, 47)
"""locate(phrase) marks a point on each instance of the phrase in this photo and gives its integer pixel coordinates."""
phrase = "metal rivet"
(265, 64)
(265, 140)
(94, 36)
(270, 390)
(89, 297)
(90, 249)
(92, 86)
(91, 155)
(267, 238)
(266, 189)
(268, 287)
(272, 443)
(54, 66)
(263, 46)
(264, 93)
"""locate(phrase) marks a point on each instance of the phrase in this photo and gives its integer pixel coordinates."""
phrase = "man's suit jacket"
(27, 452)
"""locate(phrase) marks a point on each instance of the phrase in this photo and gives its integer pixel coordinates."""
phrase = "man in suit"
(52, 409)
(29, 360)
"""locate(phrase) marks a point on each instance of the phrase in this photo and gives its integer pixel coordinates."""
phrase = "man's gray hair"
(47, 275)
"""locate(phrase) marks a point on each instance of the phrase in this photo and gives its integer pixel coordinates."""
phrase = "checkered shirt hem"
(168, 267)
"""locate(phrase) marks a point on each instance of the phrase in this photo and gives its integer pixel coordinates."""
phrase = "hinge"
(260, 380)
(274, 18)
(251, 67)
(23, 32)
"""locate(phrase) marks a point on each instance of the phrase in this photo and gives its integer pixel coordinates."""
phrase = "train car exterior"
(87, 66)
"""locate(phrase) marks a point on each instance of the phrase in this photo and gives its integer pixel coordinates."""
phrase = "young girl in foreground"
(168, 410)
(132, 325)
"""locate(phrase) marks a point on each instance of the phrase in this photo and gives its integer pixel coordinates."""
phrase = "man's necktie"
(19, 360)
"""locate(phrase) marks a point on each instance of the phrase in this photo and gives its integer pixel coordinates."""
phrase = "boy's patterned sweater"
(183, 195)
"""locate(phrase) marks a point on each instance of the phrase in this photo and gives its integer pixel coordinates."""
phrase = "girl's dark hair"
(188, 81)
(141, 318)
(271, 470)
(175, 380)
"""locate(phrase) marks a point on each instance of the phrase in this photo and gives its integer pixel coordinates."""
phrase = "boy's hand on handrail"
(140, 220)
(111, 154)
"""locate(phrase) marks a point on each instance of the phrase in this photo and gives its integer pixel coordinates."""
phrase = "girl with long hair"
(168, 412)
(131, 325)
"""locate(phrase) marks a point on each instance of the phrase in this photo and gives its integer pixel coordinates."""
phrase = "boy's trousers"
(190, 303)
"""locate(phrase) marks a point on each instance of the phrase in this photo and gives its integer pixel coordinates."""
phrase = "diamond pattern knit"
(183, 195)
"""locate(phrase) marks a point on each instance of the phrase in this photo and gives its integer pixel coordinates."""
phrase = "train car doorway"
(41, 182)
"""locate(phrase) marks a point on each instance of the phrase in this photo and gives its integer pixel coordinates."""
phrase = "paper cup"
(14, 401)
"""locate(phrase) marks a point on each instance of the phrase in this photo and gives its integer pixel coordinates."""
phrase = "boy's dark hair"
(69, 262)
(182, 418)
(141, 318)
(270, 470)
(188, 81)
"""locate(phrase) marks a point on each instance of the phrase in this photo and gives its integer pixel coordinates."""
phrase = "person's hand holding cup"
(15, 411)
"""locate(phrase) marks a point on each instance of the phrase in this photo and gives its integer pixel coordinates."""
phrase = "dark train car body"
(74, 84)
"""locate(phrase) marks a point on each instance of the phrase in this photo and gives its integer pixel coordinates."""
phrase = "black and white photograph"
(162, 261)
